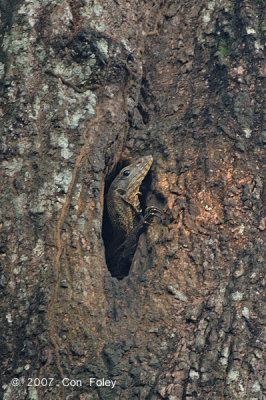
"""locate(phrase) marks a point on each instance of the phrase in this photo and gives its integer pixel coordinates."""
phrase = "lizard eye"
(126, 172)
(121, 191)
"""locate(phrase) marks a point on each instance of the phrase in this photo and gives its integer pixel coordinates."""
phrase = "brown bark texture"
(87, 87)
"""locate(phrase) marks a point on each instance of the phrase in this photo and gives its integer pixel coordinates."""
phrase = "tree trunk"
(87, 88)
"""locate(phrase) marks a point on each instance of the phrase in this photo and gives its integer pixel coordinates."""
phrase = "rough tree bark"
(87, 87)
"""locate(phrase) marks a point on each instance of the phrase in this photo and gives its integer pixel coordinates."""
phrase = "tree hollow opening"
(119, 255)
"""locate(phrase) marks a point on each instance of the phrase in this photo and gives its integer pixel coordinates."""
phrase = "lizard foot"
(150, 213)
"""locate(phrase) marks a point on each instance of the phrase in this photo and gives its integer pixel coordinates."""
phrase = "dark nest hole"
(119, 271)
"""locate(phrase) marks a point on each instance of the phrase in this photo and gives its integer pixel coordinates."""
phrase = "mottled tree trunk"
(87, 87)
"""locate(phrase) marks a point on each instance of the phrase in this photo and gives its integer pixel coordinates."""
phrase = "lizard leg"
(120, 260)
(150, 213)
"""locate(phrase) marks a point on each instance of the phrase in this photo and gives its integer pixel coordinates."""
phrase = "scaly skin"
(123, 197)
(125, 215)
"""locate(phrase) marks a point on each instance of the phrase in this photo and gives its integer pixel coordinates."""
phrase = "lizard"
(125, 214)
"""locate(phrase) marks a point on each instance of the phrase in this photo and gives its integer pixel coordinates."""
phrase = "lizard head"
(129, 179)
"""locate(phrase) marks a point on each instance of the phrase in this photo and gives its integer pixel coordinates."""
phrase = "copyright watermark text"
(67, 382)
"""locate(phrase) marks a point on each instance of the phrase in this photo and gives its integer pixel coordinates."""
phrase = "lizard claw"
(150, 213)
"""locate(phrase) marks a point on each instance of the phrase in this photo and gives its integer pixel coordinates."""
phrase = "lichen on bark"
(86, 88)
